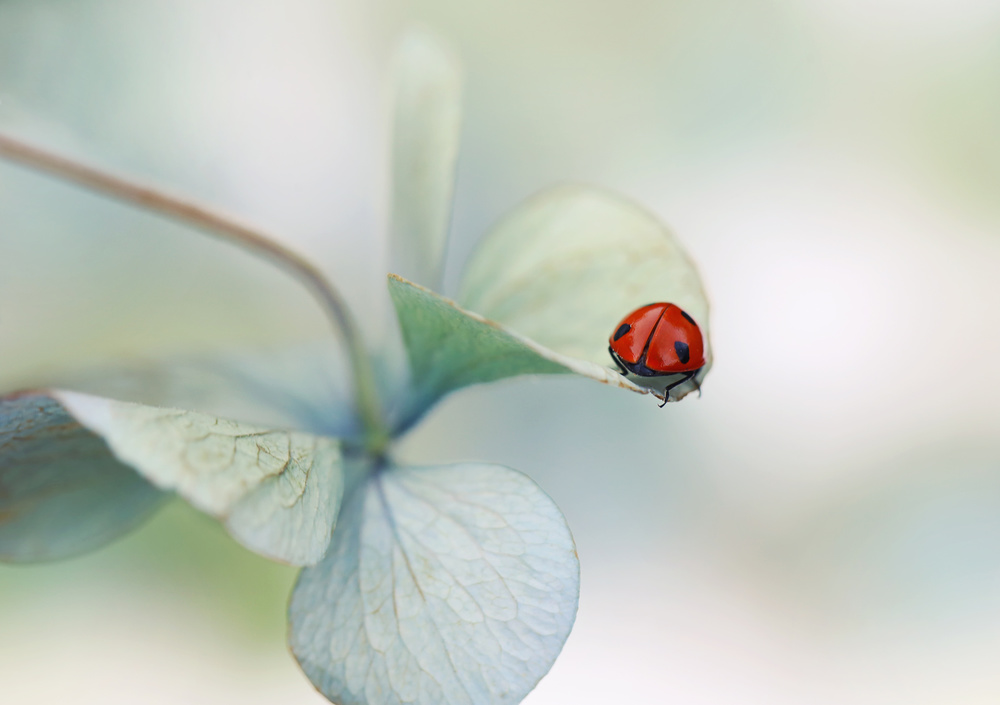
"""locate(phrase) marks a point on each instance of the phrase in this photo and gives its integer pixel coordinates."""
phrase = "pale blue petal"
(278, 492)
(454, 585)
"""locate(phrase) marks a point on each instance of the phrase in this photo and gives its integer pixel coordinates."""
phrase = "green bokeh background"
(822, 526)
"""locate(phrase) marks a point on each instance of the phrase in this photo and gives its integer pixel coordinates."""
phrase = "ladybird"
(659, 341)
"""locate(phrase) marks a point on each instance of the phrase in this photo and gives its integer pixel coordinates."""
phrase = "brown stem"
(233, 231)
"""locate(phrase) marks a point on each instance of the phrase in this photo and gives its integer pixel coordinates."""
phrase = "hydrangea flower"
(428, 585)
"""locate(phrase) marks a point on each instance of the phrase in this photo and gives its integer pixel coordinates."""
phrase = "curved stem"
(231, 230)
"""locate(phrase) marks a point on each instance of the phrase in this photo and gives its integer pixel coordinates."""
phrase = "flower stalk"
(231, 230)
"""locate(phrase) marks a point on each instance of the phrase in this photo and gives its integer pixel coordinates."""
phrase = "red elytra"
(658, 339)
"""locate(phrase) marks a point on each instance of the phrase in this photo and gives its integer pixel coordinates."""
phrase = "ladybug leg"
(679, 382)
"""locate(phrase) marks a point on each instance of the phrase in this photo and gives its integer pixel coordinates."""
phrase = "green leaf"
(62, 492)
(443, 586)
(425, 142)
(277, 492)
(450, 348)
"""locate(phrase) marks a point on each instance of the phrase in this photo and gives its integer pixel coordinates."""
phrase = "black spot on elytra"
(689, 319)
(622, 330)
(683, 354)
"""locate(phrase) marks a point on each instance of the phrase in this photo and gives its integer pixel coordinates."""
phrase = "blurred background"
(823, 526)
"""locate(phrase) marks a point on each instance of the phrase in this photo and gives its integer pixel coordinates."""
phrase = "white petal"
(426, 131)
(444, 586)
(279, 492)
(565, 267)
(62, 493)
